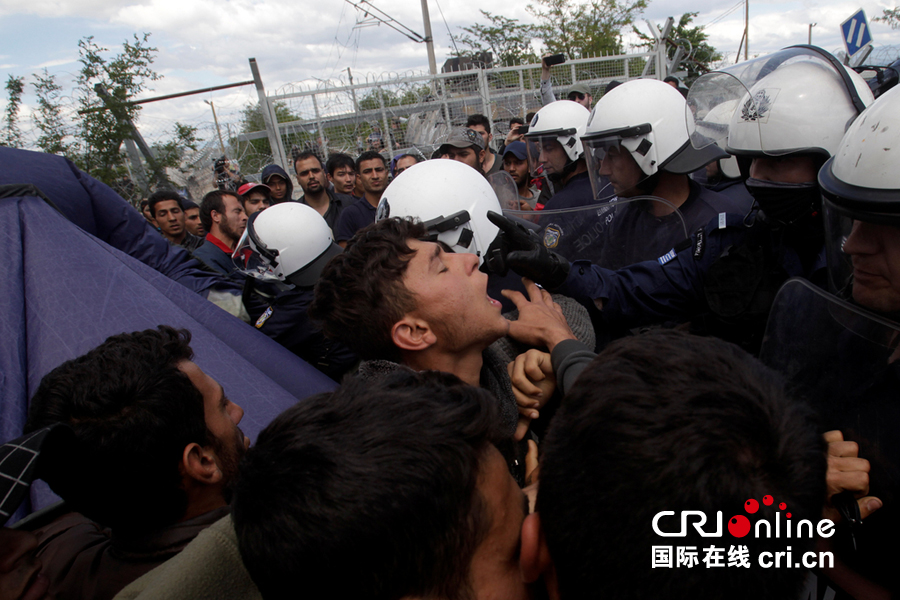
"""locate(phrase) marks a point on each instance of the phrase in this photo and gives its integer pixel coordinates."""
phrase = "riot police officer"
(793, 108)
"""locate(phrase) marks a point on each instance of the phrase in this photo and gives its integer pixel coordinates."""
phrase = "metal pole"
(216, 121)
(429, 41)
(352, 91)
(746, 27)
(809, 40)
(271, 124)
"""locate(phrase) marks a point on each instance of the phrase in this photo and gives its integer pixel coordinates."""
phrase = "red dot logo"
(738, 526)
(782, 506)
(751, 506)
(788, 515)
(768, 500)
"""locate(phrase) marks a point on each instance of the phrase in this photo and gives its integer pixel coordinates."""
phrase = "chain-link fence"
(413, 113)
(392, 114)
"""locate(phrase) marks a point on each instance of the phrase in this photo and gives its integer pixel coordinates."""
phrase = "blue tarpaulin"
(65, 291)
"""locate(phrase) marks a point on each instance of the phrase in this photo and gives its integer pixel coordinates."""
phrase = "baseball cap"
(463, 137)
(247, 187)
(581, 88)
(518, 149)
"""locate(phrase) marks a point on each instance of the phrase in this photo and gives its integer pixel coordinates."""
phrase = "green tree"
(11, 135)
(507, 39)
(890, 16)
(699, 54)
(48, 116)
(580, 30)
(170, 153)
(255, 154)
(102, 121)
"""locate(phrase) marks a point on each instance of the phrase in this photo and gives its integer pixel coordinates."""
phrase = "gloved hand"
(520, 249)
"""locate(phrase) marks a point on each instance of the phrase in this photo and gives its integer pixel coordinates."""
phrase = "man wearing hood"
(279, 182)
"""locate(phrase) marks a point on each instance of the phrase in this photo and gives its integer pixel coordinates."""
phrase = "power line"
(723, 15)
(452, 40)
(383, 17)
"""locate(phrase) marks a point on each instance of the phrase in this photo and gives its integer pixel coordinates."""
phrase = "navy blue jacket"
(728, 269)
(98, 210)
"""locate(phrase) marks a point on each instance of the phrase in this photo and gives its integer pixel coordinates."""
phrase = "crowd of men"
(585, 444)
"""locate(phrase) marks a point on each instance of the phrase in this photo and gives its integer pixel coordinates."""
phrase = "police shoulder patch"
(552, 235)
(264, 317)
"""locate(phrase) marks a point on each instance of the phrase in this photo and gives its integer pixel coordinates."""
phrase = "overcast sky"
(207, 42)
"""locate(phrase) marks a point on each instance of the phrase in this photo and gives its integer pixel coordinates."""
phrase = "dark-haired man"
(411, 496)
(161, 445)
(404, 161)
(466, 146)
(167, 208)
(399, 300)
(371, 168)
(515, 162)
(481, 125)
(192, 219)
(341, 172)
(316, 193)
(224, 218)
(657, 405)
(254, 197)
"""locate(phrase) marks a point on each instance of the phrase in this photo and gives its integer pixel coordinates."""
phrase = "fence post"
(484, 90)
(320, 130)
(386, 128)
(269, 117)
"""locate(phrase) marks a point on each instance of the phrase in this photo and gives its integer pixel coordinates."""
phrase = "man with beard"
(224, 218)
(316, 193)
(372, 170)
(515, 162)
(158, 445)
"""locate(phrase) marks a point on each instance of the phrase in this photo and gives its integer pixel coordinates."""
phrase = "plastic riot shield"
(612, 234)
(843, 360)
(507, 193)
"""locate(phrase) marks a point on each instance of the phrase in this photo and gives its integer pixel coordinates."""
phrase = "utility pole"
(746, 27)
(809, 40)
(216, 121)
(429, 41)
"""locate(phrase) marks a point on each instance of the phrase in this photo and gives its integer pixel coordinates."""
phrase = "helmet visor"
(863, 257)
(612, 165)
(546, 156)
(248, 260)
(752, 107)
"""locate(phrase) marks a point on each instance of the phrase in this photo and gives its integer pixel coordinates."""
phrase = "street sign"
(855, 32)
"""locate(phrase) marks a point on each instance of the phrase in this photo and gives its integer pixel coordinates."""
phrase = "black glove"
(518, 248)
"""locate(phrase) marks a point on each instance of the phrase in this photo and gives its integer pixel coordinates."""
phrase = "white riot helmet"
(288, 243)
(450, 198)
(799, 100)
(643, 119)
(558, 125)
(861, 195)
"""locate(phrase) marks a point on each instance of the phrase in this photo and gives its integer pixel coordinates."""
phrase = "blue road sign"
(855, 31)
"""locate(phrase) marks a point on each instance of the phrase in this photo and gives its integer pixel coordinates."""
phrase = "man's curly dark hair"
(360, 294)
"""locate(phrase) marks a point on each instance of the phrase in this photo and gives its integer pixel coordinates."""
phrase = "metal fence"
(414, 112)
